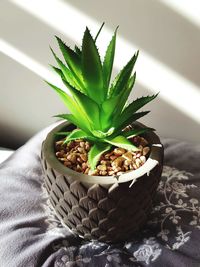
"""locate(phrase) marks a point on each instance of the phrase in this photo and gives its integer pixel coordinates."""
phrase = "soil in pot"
(74, 155)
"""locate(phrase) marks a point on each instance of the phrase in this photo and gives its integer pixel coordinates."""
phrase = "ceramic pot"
(105, 208)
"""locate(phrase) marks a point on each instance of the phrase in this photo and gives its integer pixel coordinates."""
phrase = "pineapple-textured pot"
(105, 208)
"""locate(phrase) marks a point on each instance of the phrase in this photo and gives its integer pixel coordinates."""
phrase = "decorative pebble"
(145, 150)
(74, 155)
(119, 151)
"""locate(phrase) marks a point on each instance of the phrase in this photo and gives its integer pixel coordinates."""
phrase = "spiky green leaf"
(101, 134)
(113, 107)
(95, 153)
(77, 121)
(121, 141)
(73, 60)
(107, 111)
(68, 101)
(121, 123)
(122, 79)
(66, 74)
(108, 62)
(95, 39)
(92, 68)
(136, 132)
(123, 98)
(88, 107)
(75, 109)
(136, 105)
(77, 50)
(79, 134)
(58, 71)
(76, 134)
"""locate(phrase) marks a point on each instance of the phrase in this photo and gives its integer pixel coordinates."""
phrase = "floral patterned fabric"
(32, 236)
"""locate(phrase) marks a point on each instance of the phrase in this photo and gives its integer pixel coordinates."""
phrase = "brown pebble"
(87, 146)
(131, 167)
(84, 166)
(119, 151)
(79, 159)
(118, 162)
(67, 163)
(81, 149)
(134, 166)
(102, 167)
(117, 169)
(143, 142)
(107, 155)
(83, 157)
(145, 150)
(128, 155)
(143, 159)
(59, 154)
(125, 168)
(71, 144)
(62, 159)
(82, 144)
(59, 142)
(113, 157)
(87, 170)
(127, 162)
(78, 168)
(72, 158)
(140, 147)
(137, 162)
(103, 173)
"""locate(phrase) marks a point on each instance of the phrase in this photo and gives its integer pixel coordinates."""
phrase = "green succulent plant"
(98, 107)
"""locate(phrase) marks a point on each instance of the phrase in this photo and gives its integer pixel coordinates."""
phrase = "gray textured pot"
(104, 208)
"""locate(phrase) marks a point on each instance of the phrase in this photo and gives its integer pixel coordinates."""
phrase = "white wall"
(169, 60)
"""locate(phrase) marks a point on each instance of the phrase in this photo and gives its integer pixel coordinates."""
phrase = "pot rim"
(154, 159)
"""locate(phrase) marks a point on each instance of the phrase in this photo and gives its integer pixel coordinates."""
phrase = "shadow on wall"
(10, 137)
(153, 27)
(160, 31)
(167, 120)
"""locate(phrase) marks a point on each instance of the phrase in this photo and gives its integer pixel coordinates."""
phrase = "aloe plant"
(98, 107)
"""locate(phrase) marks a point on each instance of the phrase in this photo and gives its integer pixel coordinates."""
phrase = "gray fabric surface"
(30, 235)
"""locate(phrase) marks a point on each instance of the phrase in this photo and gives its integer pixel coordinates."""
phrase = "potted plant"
(101, 167)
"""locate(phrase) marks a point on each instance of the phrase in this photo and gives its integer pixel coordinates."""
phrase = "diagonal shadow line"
(180, 82)
(166, 119)
(10, 140)
(24, 64)
(155, 28)
(165, 122)
(194, 73)
(169, 117)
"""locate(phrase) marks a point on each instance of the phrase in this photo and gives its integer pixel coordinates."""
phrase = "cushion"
(31, 234)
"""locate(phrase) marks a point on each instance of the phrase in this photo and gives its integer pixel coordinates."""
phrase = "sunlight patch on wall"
(153, 74)
(190, 9)
(29, 63)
